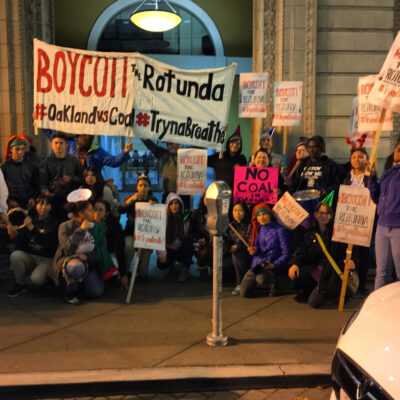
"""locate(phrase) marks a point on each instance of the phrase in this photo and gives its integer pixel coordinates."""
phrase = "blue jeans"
(387, 248)
(91, 287)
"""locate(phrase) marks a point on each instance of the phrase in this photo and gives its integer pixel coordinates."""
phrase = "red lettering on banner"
(397, 54)
(96, 67)
(113, 73)
(73, 71)
(42, 72)
(59, 56)
(124, 77)
(84, 92)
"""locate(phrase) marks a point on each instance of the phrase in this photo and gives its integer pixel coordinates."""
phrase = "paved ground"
(159, 341)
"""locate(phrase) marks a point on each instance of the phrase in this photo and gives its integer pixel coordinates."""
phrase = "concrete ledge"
(161, 380)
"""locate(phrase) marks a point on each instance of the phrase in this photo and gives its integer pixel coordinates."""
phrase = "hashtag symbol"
(40, 111)
(142, 119)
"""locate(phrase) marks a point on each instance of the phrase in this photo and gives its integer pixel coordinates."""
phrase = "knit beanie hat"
(257, 209)
(13, 141)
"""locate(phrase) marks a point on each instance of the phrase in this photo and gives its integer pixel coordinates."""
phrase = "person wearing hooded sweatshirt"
(21, 176)
(232, 157)
(178, 242)
(270, 251)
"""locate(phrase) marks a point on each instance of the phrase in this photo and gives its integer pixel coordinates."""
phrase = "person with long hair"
(385, 192)
(178, 242)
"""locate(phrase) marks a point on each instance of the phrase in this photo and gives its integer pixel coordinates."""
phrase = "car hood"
(373, 339)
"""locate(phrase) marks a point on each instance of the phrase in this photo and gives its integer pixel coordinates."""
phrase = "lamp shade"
(156, 20)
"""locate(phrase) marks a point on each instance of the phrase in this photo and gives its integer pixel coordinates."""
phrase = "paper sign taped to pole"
(386, 90)
(150, 226)
(105, 93)
(192, 171)
(354, 218)
(253, 95)
(255, 185)
(369, 114)
(289, 212)
(287, 103)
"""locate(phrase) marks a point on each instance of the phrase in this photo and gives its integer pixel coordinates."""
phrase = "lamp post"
(218, 197)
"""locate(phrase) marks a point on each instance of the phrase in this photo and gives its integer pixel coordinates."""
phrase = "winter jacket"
(22, 179)
(70, 236)
(53, 169)
(225, 167)
(327, 178)
(42, 239)
(310, 254)
(272, 245)
(386, 194)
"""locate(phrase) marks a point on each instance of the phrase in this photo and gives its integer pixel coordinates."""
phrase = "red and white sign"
(289, 212)
(192, 171)
(369, 114)
(354, 134)
(103, 93)
(287, 103)
(386, 90)
(255, 185)
(150, 226)
(253, 95)
(354, 218)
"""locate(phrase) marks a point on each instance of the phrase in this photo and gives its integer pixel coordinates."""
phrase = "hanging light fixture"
(156, 20)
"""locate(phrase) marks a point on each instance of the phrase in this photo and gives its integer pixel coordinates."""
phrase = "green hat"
(17, 142)
(328, 200)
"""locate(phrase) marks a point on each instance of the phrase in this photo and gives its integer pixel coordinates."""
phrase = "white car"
(366, 364)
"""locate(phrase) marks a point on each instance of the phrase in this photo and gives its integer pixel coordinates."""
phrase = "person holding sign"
(178, 243)
(310, 268)
(386, 194)
(232, 157)
(143, 194)
(317, 171)
(270, 251)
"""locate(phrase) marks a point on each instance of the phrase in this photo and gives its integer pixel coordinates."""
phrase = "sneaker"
(236, 291)
(184, 274)
(17, 290)
(72, 299)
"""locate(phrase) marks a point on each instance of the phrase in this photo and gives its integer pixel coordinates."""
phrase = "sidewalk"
(157, 343)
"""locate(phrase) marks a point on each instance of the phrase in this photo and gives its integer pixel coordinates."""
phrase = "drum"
(16, 217)
(309, 200)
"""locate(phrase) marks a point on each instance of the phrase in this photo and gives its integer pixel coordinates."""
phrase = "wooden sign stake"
(345, 277)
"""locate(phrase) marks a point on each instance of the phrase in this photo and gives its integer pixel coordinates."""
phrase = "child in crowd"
(143, 194)
(77, 258)
(179, 245)
(269, 249)
(94, 181)
(240, 256)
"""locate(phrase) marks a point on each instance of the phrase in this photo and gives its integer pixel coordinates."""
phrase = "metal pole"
(216, 338)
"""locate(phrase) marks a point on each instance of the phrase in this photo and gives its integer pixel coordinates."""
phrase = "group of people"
(63, 219)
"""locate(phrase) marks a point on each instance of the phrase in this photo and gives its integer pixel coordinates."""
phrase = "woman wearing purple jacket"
(386, 194)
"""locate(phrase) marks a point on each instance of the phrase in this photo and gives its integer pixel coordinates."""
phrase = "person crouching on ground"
(76, 258)
(143, 194)
(178, 243)
(270, 252)
(36, 244)
(240, 256)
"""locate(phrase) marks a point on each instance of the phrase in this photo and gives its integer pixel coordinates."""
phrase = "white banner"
(289, 212)
(98, 93)
(369, 114)
(192, 171)
(253, 95)
(386, 90)
(354, 218)
(354, 134)
(287, 103)
(150, 226)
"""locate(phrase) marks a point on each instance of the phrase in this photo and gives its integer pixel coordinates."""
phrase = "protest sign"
(287, 103)
(354, 218)
(192, 171)
(386, 89)
(255, 185)
(253, 95)
(354, 134)
(150, 226)
(104, 93)
(289, 212)
(368, 114)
